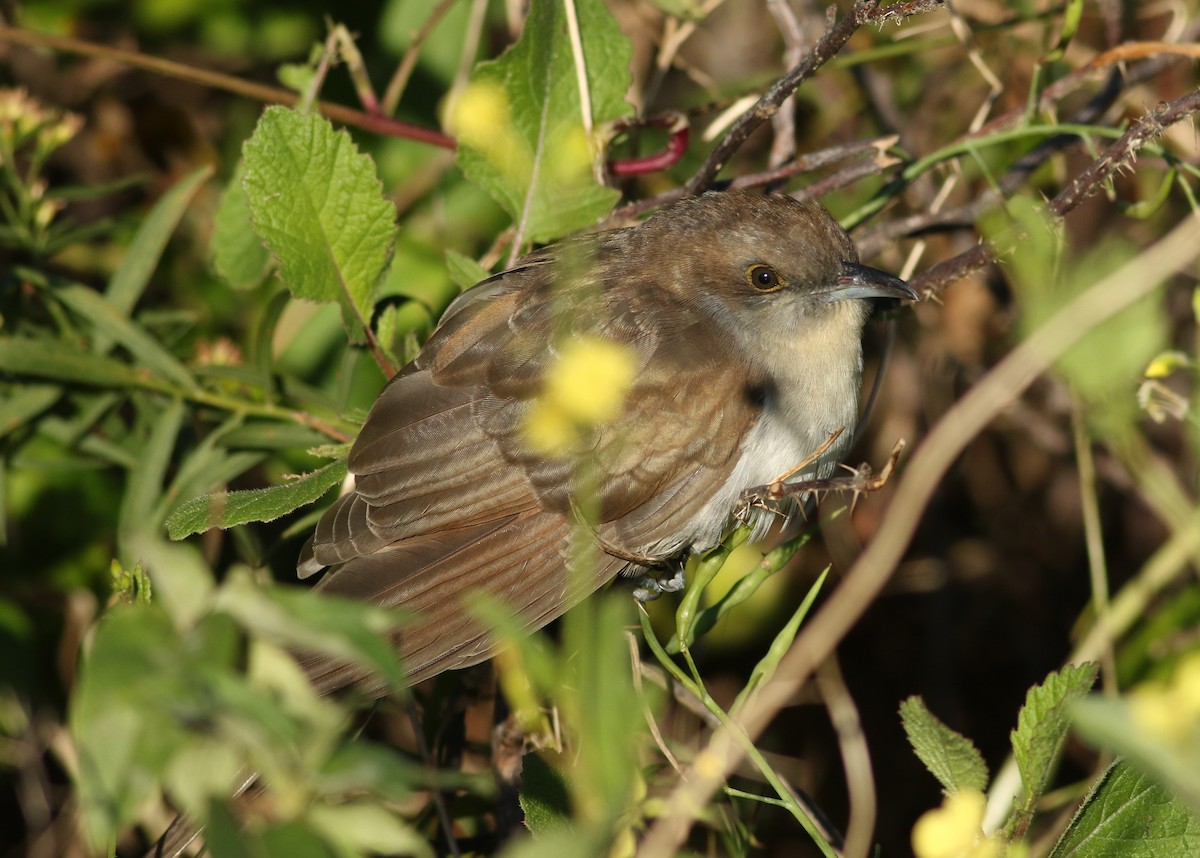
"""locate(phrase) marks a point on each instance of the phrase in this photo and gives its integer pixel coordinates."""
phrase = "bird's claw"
(650, 587)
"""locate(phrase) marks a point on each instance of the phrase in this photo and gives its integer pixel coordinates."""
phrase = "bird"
(739, 317)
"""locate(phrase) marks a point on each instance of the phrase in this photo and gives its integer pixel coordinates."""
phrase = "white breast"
(817, 371)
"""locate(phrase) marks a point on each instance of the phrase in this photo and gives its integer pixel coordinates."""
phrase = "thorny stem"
(1118, 155)
(822, 52)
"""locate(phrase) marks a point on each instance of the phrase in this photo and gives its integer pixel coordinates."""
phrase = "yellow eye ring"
(764, 278)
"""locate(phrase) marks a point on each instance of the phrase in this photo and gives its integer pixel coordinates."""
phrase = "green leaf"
(229, 509)
(520, 122)
(145, 487)
(315, 622)
(182, 582)
(365, 765)
(142, 688)
(222, 835)
(261, 435)
(402, 328)
(1042, 725)
(130, 279)
(1109, 724)
(238, 254)
(1128, 815)
(112, 326)
(545, 797)
(203, 470)
(948, 755)
(319, 206)
(121, 751)
(293, 840)
(465, 271)
(769, 663)
(55, 360)
(362, 827)
(19, 406)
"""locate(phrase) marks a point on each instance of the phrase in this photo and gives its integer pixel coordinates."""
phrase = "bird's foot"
(650, 587)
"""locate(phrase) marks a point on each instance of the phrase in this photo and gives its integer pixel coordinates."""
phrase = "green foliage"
(1127, 815)
(237, 252)
(1105, 365)
(949, 756)
(318, 206)
(183, 695)
(522, 126)
(464, 271)
(1042, 726)
(545, 796)
(135, 389)
(230, 509)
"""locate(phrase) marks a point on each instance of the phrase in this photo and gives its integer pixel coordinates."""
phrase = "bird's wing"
(450, 498)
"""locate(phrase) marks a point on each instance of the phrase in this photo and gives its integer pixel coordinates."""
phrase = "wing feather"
(450, 499)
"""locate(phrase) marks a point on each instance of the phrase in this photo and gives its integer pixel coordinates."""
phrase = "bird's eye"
(763, 278)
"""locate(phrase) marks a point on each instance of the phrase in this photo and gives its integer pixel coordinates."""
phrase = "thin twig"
(408, 62)
(1093, 537)
(228, 83)
(856, 758)
(822, 52)
(1122, 153)
(803, 164)
(635, 661)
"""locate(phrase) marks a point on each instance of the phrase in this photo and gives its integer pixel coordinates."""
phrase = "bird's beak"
(862, 281)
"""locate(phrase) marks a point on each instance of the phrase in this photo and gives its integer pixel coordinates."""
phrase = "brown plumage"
(740, 375)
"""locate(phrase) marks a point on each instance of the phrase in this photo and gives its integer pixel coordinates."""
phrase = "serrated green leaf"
(1042, 725)
(545, 797)
(1128, 815)
(465, 271)
(317, 203)
(229, 509)
(203, 470)
(948, 755)
(132, 276)
(18, 407)
(111, 326)
(520, 122)
(237, 252)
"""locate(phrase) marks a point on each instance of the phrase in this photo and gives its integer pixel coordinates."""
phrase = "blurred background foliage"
(1082, 488)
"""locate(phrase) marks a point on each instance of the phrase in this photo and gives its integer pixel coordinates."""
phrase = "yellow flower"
(954, 830)
(480, 110)
(585, 387)
(481, 118)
